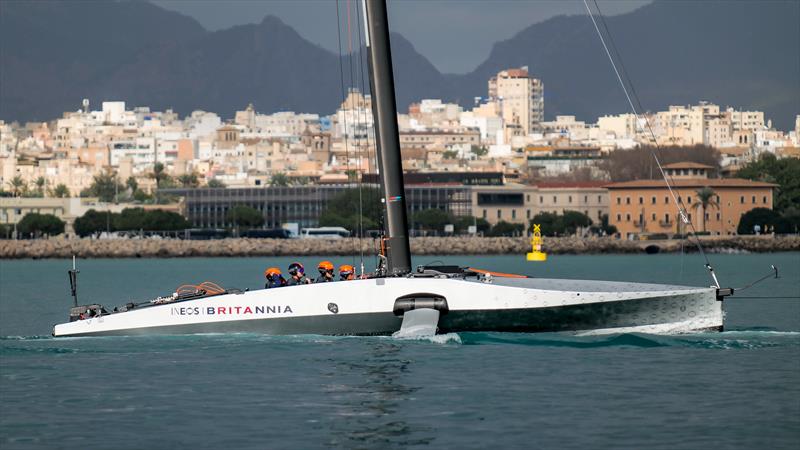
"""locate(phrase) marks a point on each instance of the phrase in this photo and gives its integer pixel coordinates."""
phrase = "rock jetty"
(174, 248)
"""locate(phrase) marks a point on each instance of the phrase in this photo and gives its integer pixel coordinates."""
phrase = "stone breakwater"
(170, 248)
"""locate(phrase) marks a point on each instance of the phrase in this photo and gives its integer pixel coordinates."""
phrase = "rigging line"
(358, 155)
(344, 99)
(358, 136)
(362, 77)
(679, 203)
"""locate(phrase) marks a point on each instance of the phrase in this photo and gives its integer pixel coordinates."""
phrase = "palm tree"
(279, 179)
(60, 191)
(17, 185)
(705, 198)
(160, 175)
(40, 182)
(188, 180)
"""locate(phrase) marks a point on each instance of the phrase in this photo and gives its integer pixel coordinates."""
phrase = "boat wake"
(756, 338)
(740, 339)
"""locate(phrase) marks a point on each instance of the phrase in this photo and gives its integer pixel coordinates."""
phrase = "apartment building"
(521, 101)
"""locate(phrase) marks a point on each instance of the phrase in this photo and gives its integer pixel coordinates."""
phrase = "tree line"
(130, 219)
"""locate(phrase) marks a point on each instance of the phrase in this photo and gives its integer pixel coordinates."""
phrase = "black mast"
(384, 109)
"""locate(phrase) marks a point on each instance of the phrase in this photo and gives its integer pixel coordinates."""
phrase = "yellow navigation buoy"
(536, 242)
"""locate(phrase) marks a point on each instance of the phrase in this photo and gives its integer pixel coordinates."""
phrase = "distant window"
(653, 200)
(541, 199)
(569, 199)
(585, 199)
(619, 200)
(718, 216)
(484, 213)
(555, 199)
(754, 199)
(627, 217)
(666, 218)
(627, 200)
(688, 200)
(599, 199)
(741, 199)
(641, 200)
(527, 198)
(528, 214)
(499, 214)
(654, 217)
(765, 200)
(513, 213)
(666, 200)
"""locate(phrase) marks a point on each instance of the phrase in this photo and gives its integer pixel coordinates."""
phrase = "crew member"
(325, 272)
(346, 272)
(274, 278)
(298, 274)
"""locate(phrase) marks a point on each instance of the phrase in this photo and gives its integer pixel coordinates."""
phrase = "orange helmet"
(326, 266)
(346, 271)
(272, 271)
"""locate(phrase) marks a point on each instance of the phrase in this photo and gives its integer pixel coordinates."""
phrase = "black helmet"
(295, 268)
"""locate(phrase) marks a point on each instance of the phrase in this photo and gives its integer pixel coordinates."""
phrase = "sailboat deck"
(551, 284)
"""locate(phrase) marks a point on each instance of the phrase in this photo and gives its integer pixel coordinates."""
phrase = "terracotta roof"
(691, 183)
(687, 165)
(572, 184)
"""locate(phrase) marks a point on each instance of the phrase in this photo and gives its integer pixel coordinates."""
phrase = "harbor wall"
(173, 248)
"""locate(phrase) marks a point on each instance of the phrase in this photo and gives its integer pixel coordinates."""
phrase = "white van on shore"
(324, 233)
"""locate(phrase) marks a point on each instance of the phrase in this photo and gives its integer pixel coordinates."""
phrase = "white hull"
(365, 307)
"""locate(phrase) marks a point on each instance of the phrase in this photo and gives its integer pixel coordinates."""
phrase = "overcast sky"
(455, 35)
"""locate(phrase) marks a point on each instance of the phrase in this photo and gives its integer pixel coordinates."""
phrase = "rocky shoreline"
(173, 248)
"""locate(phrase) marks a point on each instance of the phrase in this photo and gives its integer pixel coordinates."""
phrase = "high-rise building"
(521, 100)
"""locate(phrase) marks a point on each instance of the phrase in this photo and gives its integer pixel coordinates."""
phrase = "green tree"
(159, 173)
(479, 151)
(93, 222)
(765, 218)
(245, 216)
(105, 186)
(343, 210)
(279, 179)
(705, 199)
(17, 185)
(132, 184)
(188, 180)
(160, 220)
(35, 224)
(352, 175)
(60, 191)
(504, 228)
(553, 224)
(215, 183)
(573, 220)
(449, 154)
(783, 172)
(462, 224)
(40, 183)
(431, 219)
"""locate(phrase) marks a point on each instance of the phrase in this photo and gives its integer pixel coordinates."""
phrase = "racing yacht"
(402, 300)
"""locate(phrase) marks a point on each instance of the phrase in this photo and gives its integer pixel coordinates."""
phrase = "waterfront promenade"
(174, 248)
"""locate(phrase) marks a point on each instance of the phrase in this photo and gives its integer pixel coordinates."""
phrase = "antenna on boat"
(73, 282)
(678, 203)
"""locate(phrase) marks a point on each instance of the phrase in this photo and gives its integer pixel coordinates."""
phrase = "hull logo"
(333, 307)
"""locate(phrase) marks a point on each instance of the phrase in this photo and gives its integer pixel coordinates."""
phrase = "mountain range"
(53, 54)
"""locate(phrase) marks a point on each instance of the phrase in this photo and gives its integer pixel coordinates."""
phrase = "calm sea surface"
(736, 389)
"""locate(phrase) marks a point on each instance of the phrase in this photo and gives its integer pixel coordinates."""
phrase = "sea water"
(736, 389)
